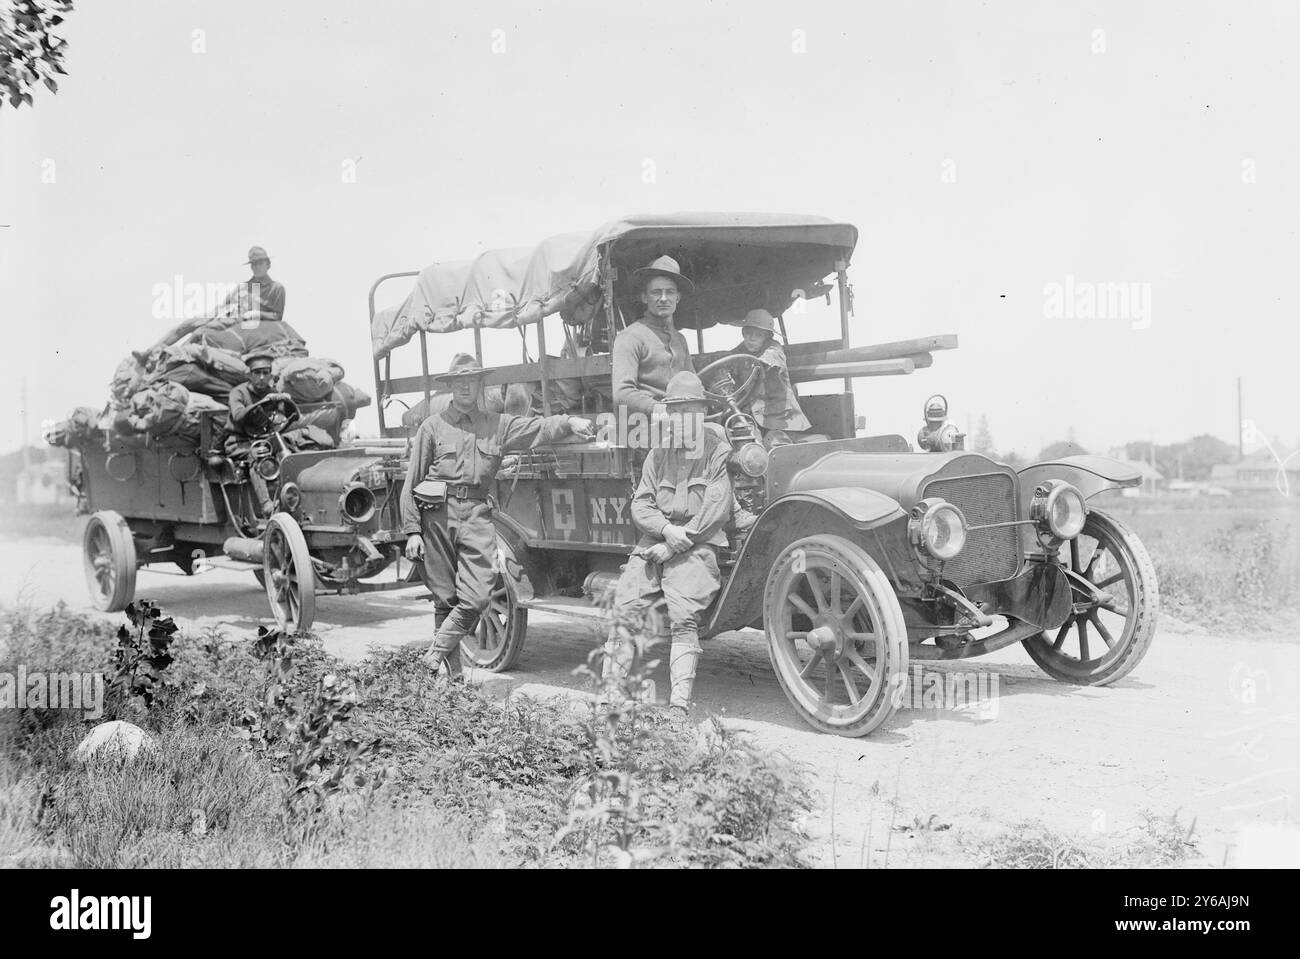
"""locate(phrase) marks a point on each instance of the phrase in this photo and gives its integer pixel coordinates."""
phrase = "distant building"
(1195, 488)
(1153, 481)
(43, 483)
(1260, 471)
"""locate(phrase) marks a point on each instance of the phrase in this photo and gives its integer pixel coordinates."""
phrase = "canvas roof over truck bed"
(510, 288)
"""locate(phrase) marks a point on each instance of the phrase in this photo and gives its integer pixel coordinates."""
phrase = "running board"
(225, 562)
(574, 607)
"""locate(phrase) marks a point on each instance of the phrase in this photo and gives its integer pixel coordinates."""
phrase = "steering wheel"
(286, 406)
(734, 397)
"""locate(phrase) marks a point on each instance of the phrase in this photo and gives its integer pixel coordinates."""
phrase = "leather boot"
(443, 656)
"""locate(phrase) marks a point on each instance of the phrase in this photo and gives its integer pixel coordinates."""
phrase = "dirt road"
(1207, 726)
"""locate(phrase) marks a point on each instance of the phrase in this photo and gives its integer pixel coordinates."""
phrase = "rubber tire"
(507, 654)
(300, 556)
(873, 578)
(121, 548)
(1146, 604)
(516, 628)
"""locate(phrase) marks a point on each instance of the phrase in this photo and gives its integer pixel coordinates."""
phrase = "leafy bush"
(55, 640)
(271, 753)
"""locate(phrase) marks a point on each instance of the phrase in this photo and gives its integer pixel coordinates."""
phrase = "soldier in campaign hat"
(446, 508)
(680, 506)
(774, 404)
(259, 297)
(650, 351)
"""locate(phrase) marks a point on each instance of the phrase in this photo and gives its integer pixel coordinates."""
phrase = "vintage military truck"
(868, 551)
(334, 527)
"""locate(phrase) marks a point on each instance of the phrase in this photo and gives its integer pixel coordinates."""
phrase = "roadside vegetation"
(1223, 567)
(1158, 841)
(272, 754)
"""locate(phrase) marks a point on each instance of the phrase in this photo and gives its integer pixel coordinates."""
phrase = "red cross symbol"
(562, 506)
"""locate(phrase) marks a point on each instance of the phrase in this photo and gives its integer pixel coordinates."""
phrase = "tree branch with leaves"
(29, 50)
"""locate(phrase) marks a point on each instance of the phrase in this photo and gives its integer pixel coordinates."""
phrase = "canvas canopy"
(510, 288)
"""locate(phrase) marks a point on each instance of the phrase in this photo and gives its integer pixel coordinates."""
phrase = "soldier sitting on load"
(256, 411)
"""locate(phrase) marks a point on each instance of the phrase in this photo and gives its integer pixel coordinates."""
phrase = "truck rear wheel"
(110, 561)
(499, 638)
(835, 634)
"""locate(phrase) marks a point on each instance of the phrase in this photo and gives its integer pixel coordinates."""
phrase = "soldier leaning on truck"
(462, 448)
(680, 506)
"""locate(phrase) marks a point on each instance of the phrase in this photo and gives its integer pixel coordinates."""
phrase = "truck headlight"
(937, 527)
(751, 458)
(357, 503)
(1058, 509)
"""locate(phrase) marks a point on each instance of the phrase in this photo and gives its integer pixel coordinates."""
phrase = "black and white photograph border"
(738, 434)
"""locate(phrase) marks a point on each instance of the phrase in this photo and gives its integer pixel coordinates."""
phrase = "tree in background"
(1191, 460)
(983, 440)
(29, 51)
(1012, 459)
(1054, 451)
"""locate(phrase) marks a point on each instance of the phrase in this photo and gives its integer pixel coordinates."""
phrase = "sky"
(1002, 162)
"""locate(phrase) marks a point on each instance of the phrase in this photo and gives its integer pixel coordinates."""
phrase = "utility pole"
(1241, 454)
(22, 413)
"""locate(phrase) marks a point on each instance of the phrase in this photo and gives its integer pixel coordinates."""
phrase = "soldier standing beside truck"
(446, 511)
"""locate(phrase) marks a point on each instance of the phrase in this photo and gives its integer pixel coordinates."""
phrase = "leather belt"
(460, 491)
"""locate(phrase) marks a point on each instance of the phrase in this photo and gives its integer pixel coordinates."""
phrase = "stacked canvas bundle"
(165, 393)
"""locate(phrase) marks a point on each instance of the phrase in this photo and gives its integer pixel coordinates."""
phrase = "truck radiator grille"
(990, 554)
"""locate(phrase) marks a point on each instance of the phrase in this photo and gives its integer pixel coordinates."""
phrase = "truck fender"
(839, 510)
(1091, 474)
(517, 561)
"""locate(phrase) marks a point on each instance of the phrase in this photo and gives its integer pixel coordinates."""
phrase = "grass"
(54, 520)
(1223, 564)
(449, 776)
(1158, 841)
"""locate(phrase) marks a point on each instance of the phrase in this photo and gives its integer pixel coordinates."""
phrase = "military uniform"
(265, 297)
(247, 422)
(694, 493)
(464, 450)
(775, 404)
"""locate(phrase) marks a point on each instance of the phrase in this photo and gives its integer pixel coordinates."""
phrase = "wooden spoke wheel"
(835, 634)
(499, 638)
(110, 561)
(288, 575)
(1115, 605)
